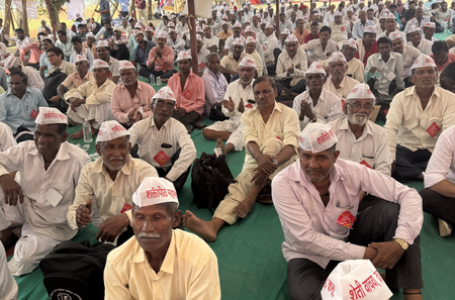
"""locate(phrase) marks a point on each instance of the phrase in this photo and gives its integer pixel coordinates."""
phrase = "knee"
(388, 210)
(273, 146)
(427, 196)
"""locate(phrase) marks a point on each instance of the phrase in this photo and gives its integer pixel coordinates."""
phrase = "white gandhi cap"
(111, 130)
(317, 137)
(155, 190)
(50, 115)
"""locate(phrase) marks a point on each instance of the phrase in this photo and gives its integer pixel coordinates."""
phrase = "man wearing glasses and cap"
(338, 83)
(161, 262)
(108, 184)
(40, 200)
(131, 98)
(163, 141)
(324, 222)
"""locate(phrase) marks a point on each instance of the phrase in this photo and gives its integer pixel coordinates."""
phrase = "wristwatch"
(402, 243)
(275, 162)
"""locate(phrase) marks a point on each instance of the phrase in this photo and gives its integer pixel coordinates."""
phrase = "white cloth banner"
(75, 9)
(203, 8)
(32, 8)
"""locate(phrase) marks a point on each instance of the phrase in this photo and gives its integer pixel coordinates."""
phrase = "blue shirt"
(43, 61)
(357, 29)
(104, 4)
(123, 5)
(141, 55)
(16, 112)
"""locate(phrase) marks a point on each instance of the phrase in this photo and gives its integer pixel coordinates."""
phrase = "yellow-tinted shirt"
(189, 271)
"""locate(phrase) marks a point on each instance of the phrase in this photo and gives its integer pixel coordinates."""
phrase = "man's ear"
(176, 219)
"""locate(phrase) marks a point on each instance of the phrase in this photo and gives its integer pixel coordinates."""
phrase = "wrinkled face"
(440, 58)
(152, 226)
(337, 69)
(397, 45)
(16, 85)
(128, 76)
(114, 152)
(82, 67)
(424, 78)
(101, 74)
(415, 38)
(184, 65)
(264, 95)
(246, 74)
(214, 65)
(162, 110)
(317, 166)
(47, 139)
(250, 47)
(324, 37)
(359, 110)
(348, 52)
(103, 53)
(291, 48)
(315, 81)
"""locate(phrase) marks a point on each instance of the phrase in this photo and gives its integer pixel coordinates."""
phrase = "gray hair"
(212, 55)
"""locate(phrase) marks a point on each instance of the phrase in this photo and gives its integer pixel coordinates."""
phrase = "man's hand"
(158, 52)
(241, 107)
(305, 110)
(370, 253)
(55, 98)
(83, 213)
(12, 191)
(181, 111)
(389, 253)
(228, 104)
(290, 70)
(373, 70)
(132, 115)
(266, 165)
(260, 177)
(112, 227)
(76, 103)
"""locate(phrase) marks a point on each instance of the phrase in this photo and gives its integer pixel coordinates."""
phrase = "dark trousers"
(439, 206)
(410, 164)
(178, 184)
(23, 134)
(377, 221)
(123, 53)
(285, 85)
(188, 119)
(145, 72)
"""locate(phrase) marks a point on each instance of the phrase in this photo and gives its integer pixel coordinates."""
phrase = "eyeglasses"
(161, 104)
(357, 106)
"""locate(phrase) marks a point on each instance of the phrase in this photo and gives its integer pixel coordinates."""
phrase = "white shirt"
(327, 109)
(392, 66)
(442, 162)
(8, 285)
(299, 62)
(151, 140)
(384, 34)
(6, 137)
(229, 40)
(416, 22)
(357, 29)
(311, 229)
(270, 45)
(33, 78)
(370, 149)
(407, 123)
(424, 46)
(314, 51)
(235, 91)
(62, 175)
(328, 18)
(215, 87)
(212, 41)
(340, 31)
(346, 85)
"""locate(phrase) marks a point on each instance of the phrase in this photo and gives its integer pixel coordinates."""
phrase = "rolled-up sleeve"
(440, 161)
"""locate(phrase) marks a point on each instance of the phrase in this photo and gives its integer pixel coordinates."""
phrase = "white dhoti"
(98, 113)
(8, 286)
(236, 137)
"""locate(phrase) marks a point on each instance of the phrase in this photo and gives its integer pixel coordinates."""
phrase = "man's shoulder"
(124, 254)
(192, 248)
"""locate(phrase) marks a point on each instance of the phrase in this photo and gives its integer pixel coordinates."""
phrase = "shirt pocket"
(278, 135)
(65, 189)
(336, 230)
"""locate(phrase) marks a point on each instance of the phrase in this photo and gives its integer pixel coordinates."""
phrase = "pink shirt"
(122, 104)
(165, 63)
(192, 98)
(35, 53)
(311, 229)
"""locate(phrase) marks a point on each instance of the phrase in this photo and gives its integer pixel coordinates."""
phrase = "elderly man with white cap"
(175, 42)
(161, 58)
(229, 64)
(355, 68)
(130, 100)
(104, 53)
(290, 68)
(269, 47)
(34, 79)
(281, 46)
(215, 83)
(239, 98)
(118, 44)
(163, 141)
(359, 139)
(317, 104)
(415, 38)
(210, 40)
(341, 30)
(78, 78)
(236, 30)
(324, 222)
(390, 26)
(91, 101)
(338, 83)
(159, 261)
(202, 54)
(108, 184)
(270, 136)
(408, 55)
(359, 27)
(415, 120)
(367, 45)
(40, 200)
(189, 91)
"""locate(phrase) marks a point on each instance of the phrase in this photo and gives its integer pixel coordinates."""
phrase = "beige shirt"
(258, 60)
(356, 70)
(346, 85)
(299, 62)
(189, 271)
(65, 67)
(283, 124)
(407, 123)
(109, 195)
(74, 80)
(151, 140)
(94, 95)
(230, 63)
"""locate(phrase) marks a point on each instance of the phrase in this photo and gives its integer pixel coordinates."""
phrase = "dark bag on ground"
(210, 179)
(216, 114)
(75, 270)
(50, 90)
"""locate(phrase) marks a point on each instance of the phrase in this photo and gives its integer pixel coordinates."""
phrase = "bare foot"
(220, 144)
(199, 226)
(245, 207)
(77, 135)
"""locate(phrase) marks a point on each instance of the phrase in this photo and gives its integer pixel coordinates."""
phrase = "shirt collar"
(10, 92)
(152, 122)
(62, 153)
(275, 107)
(411, 91)
(345, 126)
